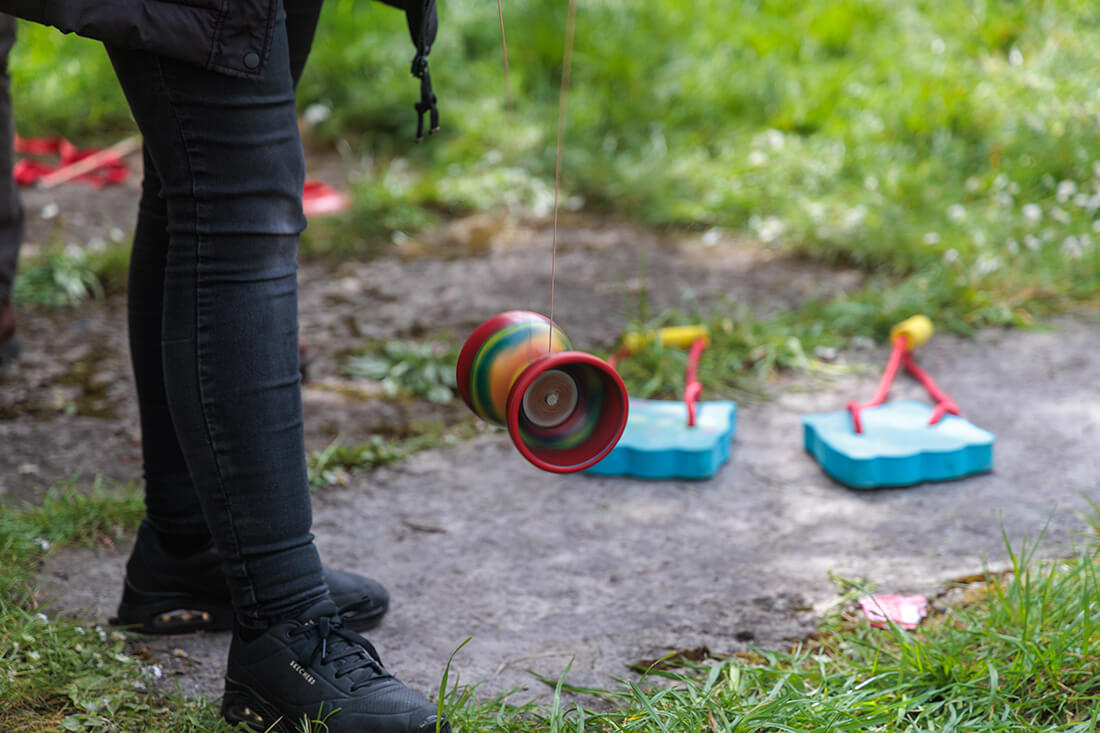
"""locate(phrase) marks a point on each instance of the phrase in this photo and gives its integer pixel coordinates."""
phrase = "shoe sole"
(174, 615)
(180, 614)
(241, 705)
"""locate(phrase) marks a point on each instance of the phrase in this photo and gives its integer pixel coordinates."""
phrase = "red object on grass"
(321, 199)
(27, 171)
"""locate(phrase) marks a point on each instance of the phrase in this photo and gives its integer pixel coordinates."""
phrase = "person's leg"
(11, 211)
(174, 582)
(230, 167)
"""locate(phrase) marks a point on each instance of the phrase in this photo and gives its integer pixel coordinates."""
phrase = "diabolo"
(564, 409)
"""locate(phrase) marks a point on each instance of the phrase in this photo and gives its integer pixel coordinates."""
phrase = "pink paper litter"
(905, 611)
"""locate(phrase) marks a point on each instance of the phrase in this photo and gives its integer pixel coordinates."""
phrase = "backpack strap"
(423, 22)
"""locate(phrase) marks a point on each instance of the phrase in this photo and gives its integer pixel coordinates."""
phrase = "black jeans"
(11, 212)
(213, 315)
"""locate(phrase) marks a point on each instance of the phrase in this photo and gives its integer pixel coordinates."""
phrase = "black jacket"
(229, 36)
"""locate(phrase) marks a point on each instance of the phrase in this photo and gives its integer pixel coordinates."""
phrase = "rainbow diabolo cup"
(564, 410)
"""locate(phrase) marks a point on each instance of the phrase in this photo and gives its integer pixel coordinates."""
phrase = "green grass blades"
(60, 674)
(1021, 654)
(1024, 655)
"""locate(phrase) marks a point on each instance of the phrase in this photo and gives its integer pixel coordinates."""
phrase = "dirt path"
(541, 569)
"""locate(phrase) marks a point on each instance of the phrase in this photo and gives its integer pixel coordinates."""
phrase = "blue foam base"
(657, 443)
(897, 447)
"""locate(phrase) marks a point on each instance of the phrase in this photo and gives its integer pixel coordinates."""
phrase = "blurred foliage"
(408, 369)
(949, 149)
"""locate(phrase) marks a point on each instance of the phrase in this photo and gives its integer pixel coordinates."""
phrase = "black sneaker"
(311, 668)
(165, 593)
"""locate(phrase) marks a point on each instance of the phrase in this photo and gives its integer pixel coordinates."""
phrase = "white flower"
(987, 264)
(973, 184)
(35, 656)
(1096, 226)
(951, 256)
(956, 212)
(757, 159)
(854, 216)
(931, 238)
(1032, 242)
(120, 657)
(1015, 57)
(712, 236)
(42, 617)
(1082, 200)
(1032, 212)
(769, 229)
(44, 545)
(1059, 215)
(1065, 190)
(773, 139)
(870, 183)
(937, 46)
(1012, 246)
(1071, 247)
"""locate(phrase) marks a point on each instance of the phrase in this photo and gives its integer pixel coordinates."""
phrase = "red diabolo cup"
(565, 410)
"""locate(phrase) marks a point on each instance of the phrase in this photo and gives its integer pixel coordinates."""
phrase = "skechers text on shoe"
(313, 669)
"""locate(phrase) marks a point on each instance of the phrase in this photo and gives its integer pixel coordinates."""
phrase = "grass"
(1022, 655)
(335, 463)
(1019, 652)
(948, 149)
(940, 144)
(61, 674)
(65, 276)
